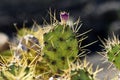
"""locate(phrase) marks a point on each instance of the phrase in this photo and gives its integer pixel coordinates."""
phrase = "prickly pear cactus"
(112, 50)
(48, 53)
(78, 71)
(60, 46)
(83, 71)
(14, 71)
(114, 55)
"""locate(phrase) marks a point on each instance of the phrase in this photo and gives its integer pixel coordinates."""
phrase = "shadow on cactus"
(50, 52)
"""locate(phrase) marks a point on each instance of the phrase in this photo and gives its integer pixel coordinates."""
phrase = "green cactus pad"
(60, 47)
(114, 55)
(112, 50)
(81, 74)
(84, 71)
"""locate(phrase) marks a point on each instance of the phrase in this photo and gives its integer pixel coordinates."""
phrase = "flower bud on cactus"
(64, 16)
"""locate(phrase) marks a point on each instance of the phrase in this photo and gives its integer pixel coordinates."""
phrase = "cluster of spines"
(112, 50)
(15, 71)
(84, 71)
(112, 53)
(80, 70)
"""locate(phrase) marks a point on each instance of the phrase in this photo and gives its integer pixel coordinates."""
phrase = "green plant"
(50, 52)
(84, 71)
(112, 52)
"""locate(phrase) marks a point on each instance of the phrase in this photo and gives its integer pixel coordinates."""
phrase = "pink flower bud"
(64, 16)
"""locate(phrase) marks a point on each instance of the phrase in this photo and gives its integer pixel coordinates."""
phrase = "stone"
(4, 45)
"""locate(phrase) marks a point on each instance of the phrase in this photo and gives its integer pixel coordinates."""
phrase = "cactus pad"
(83, 71)
(60, 46)
(112, 50)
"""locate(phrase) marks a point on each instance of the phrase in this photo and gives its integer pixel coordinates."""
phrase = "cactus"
(112, 51)
(80, 70)
(60, 46)
(50, 52)
(15, 71)
(83, 71)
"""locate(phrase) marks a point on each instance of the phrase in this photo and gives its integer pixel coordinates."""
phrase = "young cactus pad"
(112, 50)
(83, 71)
(61, 46)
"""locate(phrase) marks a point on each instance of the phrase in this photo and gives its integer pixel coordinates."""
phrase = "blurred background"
(103, 16)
